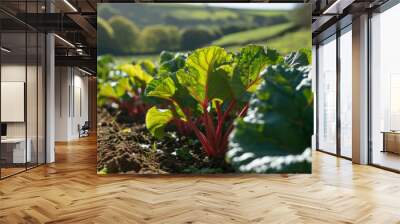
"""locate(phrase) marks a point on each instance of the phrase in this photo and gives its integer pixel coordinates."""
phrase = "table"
(13, 150)
(391, 141)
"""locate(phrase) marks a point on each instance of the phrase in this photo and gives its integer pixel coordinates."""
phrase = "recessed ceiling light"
(5, 50)
(64, 40)
(84, 71)
(70, 5)
(337, 7)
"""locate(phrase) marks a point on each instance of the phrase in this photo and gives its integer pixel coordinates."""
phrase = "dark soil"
(124, 146)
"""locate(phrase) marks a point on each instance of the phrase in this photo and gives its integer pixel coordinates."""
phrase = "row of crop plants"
(251, 109)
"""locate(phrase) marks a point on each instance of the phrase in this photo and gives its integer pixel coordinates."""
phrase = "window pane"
(327, 96)
(385, 84)
(346, 94)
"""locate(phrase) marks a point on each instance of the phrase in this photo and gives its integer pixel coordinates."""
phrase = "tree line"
(119, 35)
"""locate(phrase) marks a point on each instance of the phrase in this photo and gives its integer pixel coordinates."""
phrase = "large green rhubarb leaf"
(104, 66)
(275, 135)
(140, 77)
(250, 63)
(162, 88)
(157, 119)
(206, 74)
(167, 91)
(299, 58)
(171, 62)
(148, 67)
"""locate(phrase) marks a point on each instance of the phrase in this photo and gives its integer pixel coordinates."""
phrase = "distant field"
(266, 12)
(253, 35)
(150, 14)
(291, 41)
(221, 13)
(205, 15)
(285, 44)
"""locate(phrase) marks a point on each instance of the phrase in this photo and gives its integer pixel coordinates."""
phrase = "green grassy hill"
(192, 26)
(285, 43)
(291, 41)
(183, 15)
(252, 36)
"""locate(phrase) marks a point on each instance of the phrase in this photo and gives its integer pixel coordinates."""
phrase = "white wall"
(62, 81)
(12, 73)
(71, 94)
(80, 109)
(33, 126)
(15, 73)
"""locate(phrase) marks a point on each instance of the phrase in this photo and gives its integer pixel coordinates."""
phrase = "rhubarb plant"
(206, 91)
(275, 135)
(122, 86)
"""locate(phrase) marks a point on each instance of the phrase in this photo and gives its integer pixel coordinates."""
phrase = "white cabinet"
(17, 147)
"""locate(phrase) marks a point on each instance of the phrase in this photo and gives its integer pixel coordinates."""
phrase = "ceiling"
(74, 22)
(329, 14)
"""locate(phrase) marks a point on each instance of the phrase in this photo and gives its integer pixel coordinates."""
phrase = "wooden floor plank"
(69, 191)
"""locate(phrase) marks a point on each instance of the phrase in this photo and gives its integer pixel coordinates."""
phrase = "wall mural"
(204, 88)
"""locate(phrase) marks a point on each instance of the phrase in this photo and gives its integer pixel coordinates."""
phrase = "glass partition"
(13, 94)
(22, 77)
(327, 95)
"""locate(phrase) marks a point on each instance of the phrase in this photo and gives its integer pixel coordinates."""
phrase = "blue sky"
(263, 6)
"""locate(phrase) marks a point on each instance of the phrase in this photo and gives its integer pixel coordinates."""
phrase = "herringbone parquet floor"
(69, 191)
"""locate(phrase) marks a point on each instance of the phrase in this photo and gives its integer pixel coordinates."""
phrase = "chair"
(84, 130)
